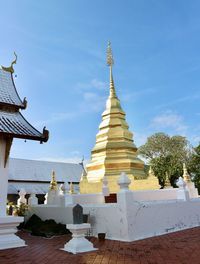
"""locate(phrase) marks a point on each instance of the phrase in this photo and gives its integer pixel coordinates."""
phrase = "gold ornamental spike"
(151, 172)
(53, 183)
(110, 62)
(71, 188)
(186, 175)
(10, 69)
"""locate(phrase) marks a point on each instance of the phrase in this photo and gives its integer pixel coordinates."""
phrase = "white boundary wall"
(128, 219)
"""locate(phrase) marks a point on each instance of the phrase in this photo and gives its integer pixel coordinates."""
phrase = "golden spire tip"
(110, 60)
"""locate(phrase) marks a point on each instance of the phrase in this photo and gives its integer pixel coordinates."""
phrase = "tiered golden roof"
(114, 151)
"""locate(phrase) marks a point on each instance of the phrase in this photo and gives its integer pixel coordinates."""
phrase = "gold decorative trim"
(53, 183)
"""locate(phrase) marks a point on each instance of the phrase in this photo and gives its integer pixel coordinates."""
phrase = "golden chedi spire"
(53, 183)
(186, 175)
(151, 172)
(114, 151)
(71, 188)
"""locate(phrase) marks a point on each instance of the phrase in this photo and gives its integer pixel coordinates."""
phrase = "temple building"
(114, 151)
(34, 176)
(12, 125)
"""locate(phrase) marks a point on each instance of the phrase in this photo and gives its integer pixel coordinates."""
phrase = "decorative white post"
(62, 193)
(22, 199)
(33, 200)
(124, 202)
(105, 188)
(182, 192)
(193, 192)
(124, 182)
(65, 197)
(62, 189)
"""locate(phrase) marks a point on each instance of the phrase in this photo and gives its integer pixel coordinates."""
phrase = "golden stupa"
(114, 151)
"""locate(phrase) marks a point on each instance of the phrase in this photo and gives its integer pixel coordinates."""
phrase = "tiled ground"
(180, 247)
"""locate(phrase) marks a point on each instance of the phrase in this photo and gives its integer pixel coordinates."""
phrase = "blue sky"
(62, 70)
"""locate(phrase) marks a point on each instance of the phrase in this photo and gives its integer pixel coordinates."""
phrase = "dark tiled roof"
(16, 125)
(8, 93)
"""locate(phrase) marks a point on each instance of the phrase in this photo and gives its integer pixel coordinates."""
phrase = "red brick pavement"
(181, 247)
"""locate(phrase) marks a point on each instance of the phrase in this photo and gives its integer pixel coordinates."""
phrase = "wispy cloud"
(56, 117)
(137, 94)
(183, 99)
(140, 138)
(94, 84)
(195, 138)
(169, 120)
(93, 102)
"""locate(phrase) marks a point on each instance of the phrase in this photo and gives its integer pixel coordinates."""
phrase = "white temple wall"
(133, 221)
(130, 218)
(89, 198)
(61, 215)
(149, 219)
(143, 219)
(153, 195)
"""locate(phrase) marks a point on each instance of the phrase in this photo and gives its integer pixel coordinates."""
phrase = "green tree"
(166, 155)
(194, 166)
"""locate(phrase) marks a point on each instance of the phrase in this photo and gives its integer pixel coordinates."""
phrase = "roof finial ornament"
(11, 69)
(53, 182)
(110, 62)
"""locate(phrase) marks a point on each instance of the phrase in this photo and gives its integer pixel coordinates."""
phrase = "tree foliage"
(166, 155)
(194, 166)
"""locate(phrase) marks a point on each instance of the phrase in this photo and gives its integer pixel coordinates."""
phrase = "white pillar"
(33, 200)
(124, 182)
(3, 178)
(105, 188)
(8, 224)
(124, 202)
(182, 192)
(193, 192)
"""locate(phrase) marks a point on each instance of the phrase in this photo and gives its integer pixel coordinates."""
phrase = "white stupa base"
(78, 243)
(8, 239)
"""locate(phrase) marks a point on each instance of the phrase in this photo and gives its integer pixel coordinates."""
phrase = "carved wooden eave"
(45, 135)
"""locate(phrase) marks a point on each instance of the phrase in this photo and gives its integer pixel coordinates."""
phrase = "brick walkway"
(180, 247)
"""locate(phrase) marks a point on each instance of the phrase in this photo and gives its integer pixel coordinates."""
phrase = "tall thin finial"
(53, 183)
(10, 69)
(186, 175)
(110, 62)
